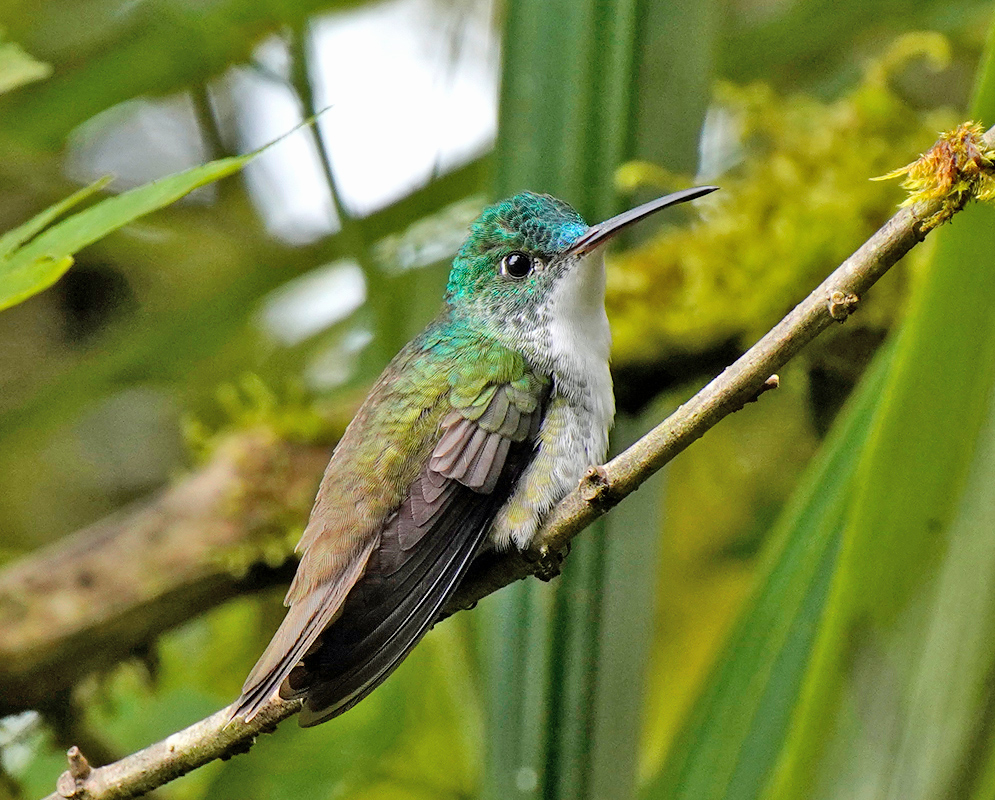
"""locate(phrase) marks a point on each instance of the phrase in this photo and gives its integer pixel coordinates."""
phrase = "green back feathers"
(453, 351)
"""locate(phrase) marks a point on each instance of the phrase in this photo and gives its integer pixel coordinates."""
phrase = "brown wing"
(340, 640)
(423, 553)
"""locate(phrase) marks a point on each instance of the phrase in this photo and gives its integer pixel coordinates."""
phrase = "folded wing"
(343, 638)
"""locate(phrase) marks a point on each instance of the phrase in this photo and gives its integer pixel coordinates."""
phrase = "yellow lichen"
(251, 404)
(267, 499)
(959, 167)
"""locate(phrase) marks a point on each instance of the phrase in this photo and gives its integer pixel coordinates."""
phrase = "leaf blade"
(725, 749)
(881, 710)
(33, 256)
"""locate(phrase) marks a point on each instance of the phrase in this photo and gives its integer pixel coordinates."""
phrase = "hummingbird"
(471, 435)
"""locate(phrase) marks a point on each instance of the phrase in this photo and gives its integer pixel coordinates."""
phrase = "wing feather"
(478, 472)
(494, 415)
(296, 635)
(426, 505)
(374, 573)
(488, 481)
(509, 425)
(454, 428)
(461, 471)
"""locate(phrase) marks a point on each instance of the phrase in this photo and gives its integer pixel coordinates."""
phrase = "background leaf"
(730, 742)
(17, 67)
(36, 264)
(894, 619)
(875, 645)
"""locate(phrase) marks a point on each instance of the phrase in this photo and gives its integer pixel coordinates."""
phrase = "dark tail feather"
(391, 607)
(298, 634)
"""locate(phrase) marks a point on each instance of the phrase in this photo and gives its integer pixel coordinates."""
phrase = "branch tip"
(595, 485)
(773, 382)
(958, 168)
(79, 767)
(70, 783)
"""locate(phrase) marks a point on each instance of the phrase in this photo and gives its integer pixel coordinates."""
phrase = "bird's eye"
(517, 265)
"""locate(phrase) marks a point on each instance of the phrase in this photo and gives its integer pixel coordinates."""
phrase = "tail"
(299, 634)
(391, 607)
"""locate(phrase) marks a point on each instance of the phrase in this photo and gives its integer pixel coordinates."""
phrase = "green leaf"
(559, 656)
(862, 666)
(897, 701)
(732, 736)
(571, 77)
(904, 652)
(17, 67)
(11, 240)
(30, 265)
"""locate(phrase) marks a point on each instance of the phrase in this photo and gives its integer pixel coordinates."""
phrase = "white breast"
(574, 433)
(580, 341)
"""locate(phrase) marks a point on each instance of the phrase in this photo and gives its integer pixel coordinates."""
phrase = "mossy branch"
(602, 488)
(92, 599)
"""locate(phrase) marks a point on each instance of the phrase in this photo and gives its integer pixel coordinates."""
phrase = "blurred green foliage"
(660, 664)
(569, 734)
(904, 656)
(793, 202)
(36, 254)
(18, 67)
(858, 666)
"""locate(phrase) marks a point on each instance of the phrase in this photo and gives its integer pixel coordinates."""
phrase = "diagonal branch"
(602, 488)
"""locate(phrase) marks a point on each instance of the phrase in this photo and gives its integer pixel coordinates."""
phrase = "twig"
(600, 489)
(165, 761)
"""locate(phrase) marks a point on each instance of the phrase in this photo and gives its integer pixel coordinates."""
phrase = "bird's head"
(525, 252)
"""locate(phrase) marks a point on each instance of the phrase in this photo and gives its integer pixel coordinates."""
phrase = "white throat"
(579, 336)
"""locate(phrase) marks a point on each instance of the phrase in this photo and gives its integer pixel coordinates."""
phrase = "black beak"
(599, 234)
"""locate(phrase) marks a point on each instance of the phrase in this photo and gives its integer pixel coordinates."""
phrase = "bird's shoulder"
(450, 365)
(450, 368)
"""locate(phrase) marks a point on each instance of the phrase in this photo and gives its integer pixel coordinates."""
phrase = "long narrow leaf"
(36, 265)
(11, 240)
(732, 737)
(896, 704)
